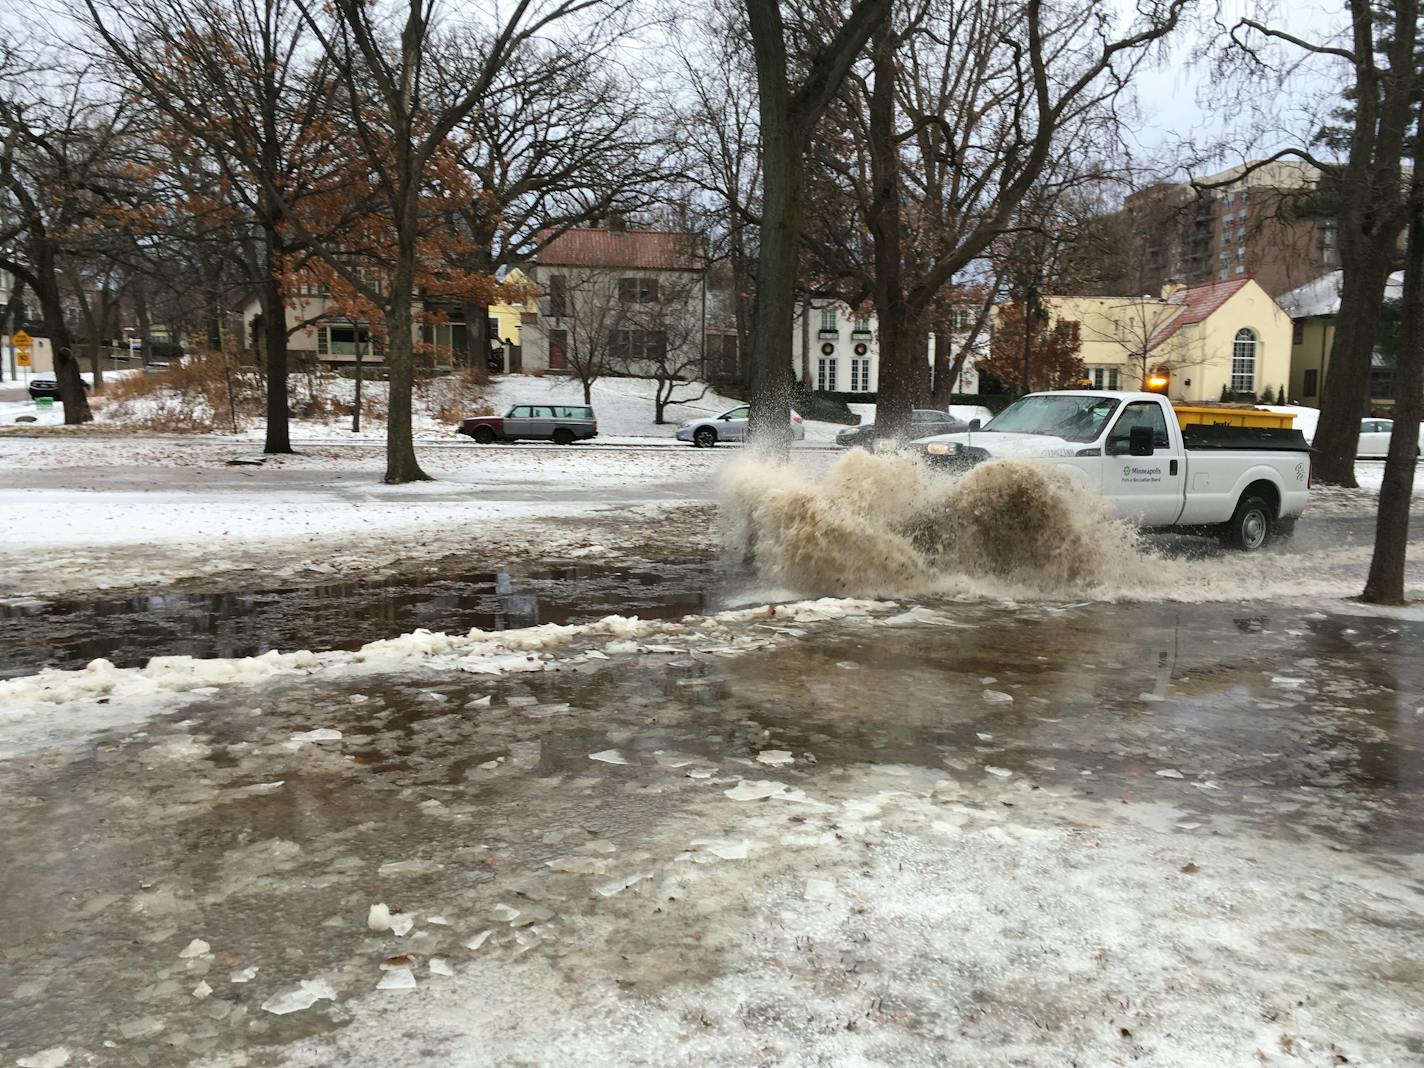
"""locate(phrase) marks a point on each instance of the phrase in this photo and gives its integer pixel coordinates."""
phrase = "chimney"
(617, 224)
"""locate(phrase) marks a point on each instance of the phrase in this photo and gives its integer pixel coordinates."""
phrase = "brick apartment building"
(1251, 226)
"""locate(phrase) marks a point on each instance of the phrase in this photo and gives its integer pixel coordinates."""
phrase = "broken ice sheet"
(504, 913)
(609, 756)
(997, 697)
(755, 791)
(195, 948)
(1002, 773)
(721, 849)
(478, 940)
(618, 885)
(246, 975)
(202, 990)
(321, 734)
(54, 1057)
(775, 757)
(578, 865)
(307, 994)
(819, 890)
(1170, 773)
(407, 867)
(397, 979)
(440, 966)
(401, 923)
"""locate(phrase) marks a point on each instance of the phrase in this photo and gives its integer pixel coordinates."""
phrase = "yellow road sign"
(22, 357)
(22, 341)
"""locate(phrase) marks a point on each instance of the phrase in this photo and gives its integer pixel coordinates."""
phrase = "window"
(521, 412)
(1243, 361)
(450, 337)
(558, 350)
(1240, 268)
(859, 375)
(828, 319)
(1240, 253)
(638, 290)
(739, 413)
(862, 326)
(558, 296)
(634, 346)
(1104, 377)
(826, 374)
(342, 341)
(1298, 332)
(1139, 413)
(1311, 383)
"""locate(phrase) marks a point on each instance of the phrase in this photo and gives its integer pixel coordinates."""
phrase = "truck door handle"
(1172, 468)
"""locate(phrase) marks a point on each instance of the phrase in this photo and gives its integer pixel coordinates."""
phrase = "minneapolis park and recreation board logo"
(1127, 472)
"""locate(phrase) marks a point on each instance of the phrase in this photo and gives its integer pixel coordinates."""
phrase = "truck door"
(1146, 489)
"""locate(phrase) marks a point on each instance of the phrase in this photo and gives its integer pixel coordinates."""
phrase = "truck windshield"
(1072, 418)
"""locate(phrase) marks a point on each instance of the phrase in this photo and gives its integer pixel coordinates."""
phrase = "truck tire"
(1250, 525)
(484, 435)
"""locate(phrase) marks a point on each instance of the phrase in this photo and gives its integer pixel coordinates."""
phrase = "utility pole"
(356, 409)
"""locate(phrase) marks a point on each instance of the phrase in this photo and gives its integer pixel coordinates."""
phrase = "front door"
(519, 423)
(734, 424)
(1145, 489)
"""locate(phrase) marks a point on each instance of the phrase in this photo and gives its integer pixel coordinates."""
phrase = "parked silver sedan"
(731, 425)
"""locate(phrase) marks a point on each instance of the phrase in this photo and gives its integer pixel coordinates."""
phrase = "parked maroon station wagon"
(563, 424)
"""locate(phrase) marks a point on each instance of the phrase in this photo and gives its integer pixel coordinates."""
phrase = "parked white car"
(1374, 438)
(1128, 447)
(731, 425)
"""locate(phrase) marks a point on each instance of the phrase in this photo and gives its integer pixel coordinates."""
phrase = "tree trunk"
(941, 385)
(773, 317)
(1344, 396)
(1385, 584)
(141, 316)
(478, 343)
(273, 300)
(66, 367)
(898, 384)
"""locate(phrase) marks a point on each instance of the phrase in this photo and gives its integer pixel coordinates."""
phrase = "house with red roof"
(617, 300)
(1206, 342)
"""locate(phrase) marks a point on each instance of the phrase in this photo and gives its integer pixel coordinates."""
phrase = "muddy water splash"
(884, 524)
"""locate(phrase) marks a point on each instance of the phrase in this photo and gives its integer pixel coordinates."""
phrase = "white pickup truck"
(1243, 482)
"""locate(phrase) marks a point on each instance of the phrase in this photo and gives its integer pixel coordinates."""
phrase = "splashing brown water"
(884, 524)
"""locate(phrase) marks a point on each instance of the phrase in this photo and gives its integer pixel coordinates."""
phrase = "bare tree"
(661, 339)
(1366, 194)
(790, 106)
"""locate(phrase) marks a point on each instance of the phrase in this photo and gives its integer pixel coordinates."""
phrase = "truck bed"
(1201, 436)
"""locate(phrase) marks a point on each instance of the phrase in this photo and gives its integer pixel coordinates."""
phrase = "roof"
(654, 250)
(1322, 296)
(1197, 303)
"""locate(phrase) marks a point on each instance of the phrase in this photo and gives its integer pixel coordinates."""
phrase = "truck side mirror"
(975, 424)
(1139, 441)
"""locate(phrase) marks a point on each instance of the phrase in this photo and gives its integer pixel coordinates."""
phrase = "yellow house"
(511, 316)
(1313, 308)
(1205, 339)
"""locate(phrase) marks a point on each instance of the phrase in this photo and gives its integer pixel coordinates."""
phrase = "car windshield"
(1067, 416)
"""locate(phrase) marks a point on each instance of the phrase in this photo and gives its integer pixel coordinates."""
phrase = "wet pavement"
(127, 631)
(1026, 833)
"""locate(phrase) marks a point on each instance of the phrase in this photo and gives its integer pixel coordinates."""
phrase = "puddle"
(130, 630)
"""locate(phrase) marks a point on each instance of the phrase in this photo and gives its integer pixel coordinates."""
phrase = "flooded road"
(926, 833)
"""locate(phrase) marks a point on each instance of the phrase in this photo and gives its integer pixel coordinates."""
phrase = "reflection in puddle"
(128, 631)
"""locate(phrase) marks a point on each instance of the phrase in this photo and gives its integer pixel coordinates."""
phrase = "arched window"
(1243, 361)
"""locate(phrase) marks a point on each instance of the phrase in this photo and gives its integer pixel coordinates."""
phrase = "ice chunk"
(358, 698)
(724, 850)
(1002, 773)
(379, 918)
(397, 979)
(143, 1027)
(439, 921)
(997, 697)
(618, 885)
(984, 737)
(401, 923)
(307, 994)
(482, 702)
(775, 757)
(321, 734)
(246, 975)
(202, 990)
(819, 890)
(1150, 698)
(406, 867)
(1170, 773)
(578, 865)
(599, 845)
(610, 756)
(54, 1057)
(504, 913)
(195, 948)
(755, 791)
(478, 940)
(264, 787)
(440, 966)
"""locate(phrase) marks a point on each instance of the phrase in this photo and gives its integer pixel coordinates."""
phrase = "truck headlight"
(942, 448)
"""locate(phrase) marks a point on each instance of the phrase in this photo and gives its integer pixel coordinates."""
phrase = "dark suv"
(48, 387)
(924, 423)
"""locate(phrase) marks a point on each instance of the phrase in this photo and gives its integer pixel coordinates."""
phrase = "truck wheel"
(484, 435)
(563, 437)
(1250, 526)
(705, 437)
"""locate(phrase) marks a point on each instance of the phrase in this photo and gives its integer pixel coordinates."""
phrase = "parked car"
(563, 424)
(1243, 482)
(924, 422)
(731, 425)
(48, 387)
(1374, 438)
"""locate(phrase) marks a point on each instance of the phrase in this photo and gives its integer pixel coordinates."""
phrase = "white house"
(837, 349)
